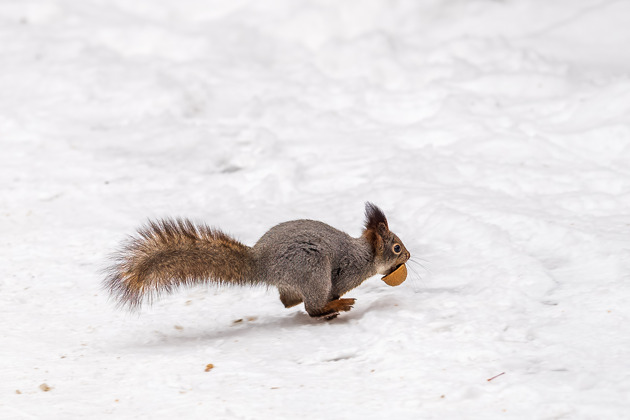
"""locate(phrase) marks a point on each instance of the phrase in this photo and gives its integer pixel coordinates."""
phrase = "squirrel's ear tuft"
(373, 217)
(375, 220)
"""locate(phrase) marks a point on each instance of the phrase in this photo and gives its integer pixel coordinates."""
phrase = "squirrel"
(308, 261)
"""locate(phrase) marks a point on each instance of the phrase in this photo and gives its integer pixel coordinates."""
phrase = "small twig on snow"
(496, 376)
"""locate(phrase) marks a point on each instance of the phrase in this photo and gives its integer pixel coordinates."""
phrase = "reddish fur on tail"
(169, 253)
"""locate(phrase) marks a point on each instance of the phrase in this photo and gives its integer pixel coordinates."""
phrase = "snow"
(494, 134)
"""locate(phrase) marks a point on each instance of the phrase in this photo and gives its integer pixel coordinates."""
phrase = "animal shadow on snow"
(297, 320)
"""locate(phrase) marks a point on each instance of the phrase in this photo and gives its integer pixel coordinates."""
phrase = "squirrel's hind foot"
(333, 308)
(328, 317)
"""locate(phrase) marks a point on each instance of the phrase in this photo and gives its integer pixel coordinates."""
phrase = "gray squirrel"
(308, 261)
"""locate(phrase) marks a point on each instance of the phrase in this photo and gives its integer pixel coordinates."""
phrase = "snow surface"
(494, 134)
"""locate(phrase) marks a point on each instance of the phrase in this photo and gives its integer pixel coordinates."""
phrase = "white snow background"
(494, 134)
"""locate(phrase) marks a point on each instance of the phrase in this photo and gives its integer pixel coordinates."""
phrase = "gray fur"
(312, 261)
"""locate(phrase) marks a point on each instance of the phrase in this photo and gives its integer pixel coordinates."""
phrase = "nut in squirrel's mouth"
(397, 276)
(393, 269)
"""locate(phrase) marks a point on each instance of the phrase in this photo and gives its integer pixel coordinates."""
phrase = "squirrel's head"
(389, 251)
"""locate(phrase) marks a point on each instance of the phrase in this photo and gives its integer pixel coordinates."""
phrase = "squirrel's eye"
(396, 248)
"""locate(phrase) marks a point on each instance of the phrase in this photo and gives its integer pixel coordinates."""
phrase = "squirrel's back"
(302, 234)
(290, 252)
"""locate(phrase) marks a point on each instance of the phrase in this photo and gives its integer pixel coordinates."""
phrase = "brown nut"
(397, 277)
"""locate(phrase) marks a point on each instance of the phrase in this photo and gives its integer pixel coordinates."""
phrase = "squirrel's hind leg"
(289, 297)
(315, 289)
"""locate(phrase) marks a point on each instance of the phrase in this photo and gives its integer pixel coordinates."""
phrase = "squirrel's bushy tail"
(169, 253)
